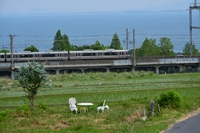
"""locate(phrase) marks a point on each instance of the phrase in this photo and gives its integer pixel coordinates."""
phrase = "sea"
(86, 28)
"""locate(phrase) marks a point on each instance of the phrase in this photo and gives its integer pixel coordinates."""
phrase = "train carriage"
(37, 56)
(98, 54)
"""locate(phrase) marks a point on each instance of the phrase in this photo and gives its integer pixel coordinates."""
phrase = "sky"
(64, 6)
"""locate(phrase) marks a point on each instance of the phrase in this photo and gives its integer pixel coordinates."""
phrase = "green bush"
(170, 99)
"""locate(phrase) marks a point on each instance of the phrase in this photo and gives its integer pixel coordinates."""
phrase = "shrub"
(170, 99)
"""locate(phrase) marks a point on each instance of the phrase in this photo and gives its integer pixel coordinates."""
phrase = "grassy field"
(127, 95)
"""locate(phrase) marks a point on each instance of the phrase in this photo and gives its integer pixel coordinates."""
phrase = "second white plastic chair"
(103, 107)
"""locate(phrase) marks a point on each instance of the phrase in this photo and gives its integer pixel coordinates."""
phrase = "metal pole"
(126, 38)
(134, 56)
(12, 62)
(190, 31)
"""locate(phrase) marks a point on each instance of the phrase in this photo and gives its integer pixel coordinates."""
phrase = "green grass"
(127, 94)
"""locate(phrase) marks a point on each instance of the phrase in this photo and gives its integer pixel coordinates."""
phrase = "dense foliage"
(96, 46)
(115, 44)
(170, 99)
(32, 48)
(186, 50)
(166, 47)
(61, 42)
(4, 51)
(150, 48)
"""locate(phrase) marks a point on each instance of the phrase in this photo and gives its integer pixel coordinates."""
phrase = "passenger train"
(88, 54)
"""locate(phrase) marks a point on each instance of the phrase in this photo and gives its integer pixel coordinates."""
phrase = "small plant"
(151, 73)
(142, 73)
(42, 106)
(129, 77)
(3, 115)
(24, 110)
(170, 99)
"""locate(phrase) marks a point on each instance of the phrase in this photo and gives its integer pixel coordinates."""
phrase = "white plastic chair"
(72, 105)
(103, 107)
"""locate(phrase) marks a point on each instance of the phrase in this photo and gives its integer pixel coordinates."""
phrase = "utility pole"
(193, 6)
(12, 62)
(134, 55)
(126, 38)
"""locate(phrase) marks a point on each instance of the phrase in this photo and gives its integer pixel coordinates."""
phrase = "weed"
(4, 114)
(23, 111)
(42, 106)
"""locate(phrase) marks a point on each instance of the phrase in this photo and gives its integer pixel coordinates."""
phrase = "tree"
(166, 47)
(57, 41)
(4, 51)
(138, 52)
(97, 46)
(186, 50)
(31, 78)
(61, 43)
(149, 48)
(115, 44)
(31, 48)
(81, 47)
(65, 45)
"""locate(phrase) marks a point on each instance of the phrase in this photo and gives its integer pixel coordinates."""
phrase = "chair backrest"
(72, 101)
(104, 102)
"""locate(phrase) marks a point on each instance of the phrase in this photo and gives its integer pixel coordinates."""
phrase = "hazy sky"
(54, 6)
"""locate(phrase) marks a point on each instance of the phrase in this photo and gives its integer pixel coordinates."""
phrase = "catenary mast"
(193, 6)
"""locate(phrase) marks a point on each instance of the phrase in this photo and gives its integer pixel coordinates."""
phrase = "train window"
(100, 53)
(77, 54)
(37, 55)
(8, 56)
(2, 56)
(114, 53)
(48, 55)
(25, 56)
(107, 53)
(65, 55)
(88, 54)
(110, 53)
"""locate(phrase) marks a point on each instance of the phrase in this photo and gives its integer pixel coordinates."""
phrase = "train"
(87, 54)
